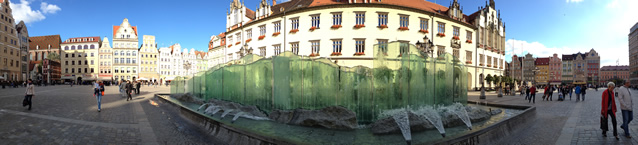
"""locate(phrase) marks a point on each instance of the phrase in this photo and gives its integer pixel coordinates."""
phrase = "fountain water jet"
(403, 121)
(459, 110)
(237, 116)
(226, 112)
(430, 114)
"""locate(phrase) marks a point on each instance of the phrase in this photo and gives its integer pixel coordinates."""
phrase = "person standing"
(626, 107)
(527, 93)
(571, 90)
(608, 109)
(129, 89)
(532, 96)
(98, 95)
(583, 91)
(577, 92)
(28, 95)
(137, 87)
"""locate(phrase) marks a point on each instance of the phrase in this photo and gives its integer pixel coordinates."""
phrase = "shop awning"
(104, 78)
(169, 78)
(143, 79)
(67, 77)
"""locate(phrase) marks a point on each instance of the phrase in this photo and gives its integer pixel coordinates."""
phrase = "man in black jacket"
(137, 87)
(129, 89)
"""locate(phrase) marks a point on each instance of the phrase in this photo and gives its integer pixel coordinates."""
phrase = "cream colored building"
(165, 64)
(79, 59)
(148, 59)
(10, 66)
(346, 31)
(216, 48)
(106, 61)
(125, 50)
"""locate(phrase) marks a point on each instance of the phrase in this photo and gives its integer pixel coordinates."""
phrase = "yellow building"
(148, 59)
(542, 75)
(80, 59)
(10, 53)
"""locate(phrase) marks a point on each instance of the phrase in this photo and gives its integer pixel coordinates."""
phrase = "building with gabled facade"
(542, 77)
(106, 61)
(593, 67)
(39, 49)
(165, 60)
(148, 59)
(23, 39)
(567, 74)
(580, 68)
(125, 50)
(516, 67)
(216, 50)
(324, 28)
(555, 70)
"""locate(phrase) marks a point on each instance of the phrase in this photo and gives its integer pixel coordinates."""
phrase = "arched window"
(128, 53)
(92, 46)
(86, 46)
(66, 47)
(72, 47)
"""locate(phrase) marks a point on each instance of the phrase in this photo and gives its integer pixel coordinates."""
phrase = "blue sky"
(541, 27)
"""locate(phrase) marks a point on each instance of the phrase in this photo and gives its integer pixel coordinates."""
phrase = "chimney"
(274, 2)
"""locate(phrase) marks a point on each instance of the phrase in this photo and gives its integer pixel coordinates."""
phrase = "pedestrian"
(139, 85)
(626, 107)
(527, 92)
(28, 95)
(546, 93)
(97, 92)
(570, 89)
(129, 89)
(552, 88)
(577, 92)
(532, 97)
(583, 91)
(608, 109)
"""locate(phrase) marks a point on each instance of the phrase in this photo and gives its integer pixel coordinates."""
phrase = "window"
(336, 47)
(262, 31)
(383, 19)
(383, 46)
(315, 21)
(424, 24)
(441, 27)
(66, 47)
(440, 51)
(249, 33)
(456, 31)
(489, 60)
(456, 53)
(404, 48)
(468, 56)
(116, 60)
(469, 35)
(314, 45)
(295, 47)
(295, 23)
(360, 18)
(336, 19)
(134, 53)
(66, 62)
(403, 21)
(277, 27)
(91, 54)
(360, 46)
(482, 58)
(85, 70)
(277, 49)
(72, 47)
(66, 70)
(262, 51)
(91, 62)
(79, 62)
(79, 70)
(72, 70)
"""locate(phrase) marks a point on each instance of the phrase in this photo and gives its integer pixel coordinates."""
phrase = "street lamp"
(426, 47)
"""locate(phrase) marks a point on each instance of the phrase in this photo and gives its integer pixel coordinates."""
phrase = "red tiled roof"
(115, 28)
(81, 40)
(250, 13)
(615, 68)
(44, 42)
(542, 61)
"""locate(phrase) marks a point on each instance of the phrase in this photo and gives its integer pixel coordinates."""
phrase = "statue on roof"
(492, 4)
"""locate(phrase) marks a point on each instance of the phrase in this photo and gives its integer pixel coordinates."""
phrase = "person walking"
(129, 89)
(552, 88)
(626, 107)
(532, 96)
(571, 90)
(527, 93)
(97, 92)
(583, 91)
(28, 95)
(545, 93)
(577, 92)
(608, 110)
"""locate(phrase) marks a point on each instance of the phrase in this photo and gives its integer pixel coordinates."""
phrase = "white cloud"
(608, 56)
(49, 8)
(23, 12)
(573, 1)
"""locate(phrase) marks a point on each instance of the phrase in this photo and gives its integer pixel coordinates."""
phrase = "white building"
(106, 61)
(125, 50)
(347, 30)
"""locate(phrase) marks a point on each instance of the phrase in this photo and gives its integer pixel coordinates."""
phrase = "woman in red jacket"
(608, 109)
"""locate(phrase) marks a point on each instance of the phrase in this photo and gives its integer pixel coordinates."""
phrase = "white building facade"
(346, 31)
(125, 52)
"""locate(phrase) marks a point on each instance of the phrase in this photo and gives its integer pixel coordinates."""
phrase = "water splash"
(430, 114)
(226, 112)
(205, 105)
(237, 115)
(215, 111)
(403, 121)
(459, 110)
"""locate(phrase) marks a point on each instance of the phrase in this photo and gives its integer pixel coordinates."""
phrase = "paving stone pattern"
(551, 125)
(68, 115)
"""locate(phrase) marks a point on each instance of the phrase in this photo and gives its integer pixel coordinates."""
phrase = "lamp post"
(426, 49)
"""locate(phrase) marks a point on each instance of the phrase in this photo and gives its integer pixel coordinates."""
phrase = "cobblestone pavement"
(68, 115)
(563, 122)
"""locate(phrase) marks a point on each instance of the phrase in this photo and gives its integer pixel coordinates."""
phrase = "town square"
(318, 72)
